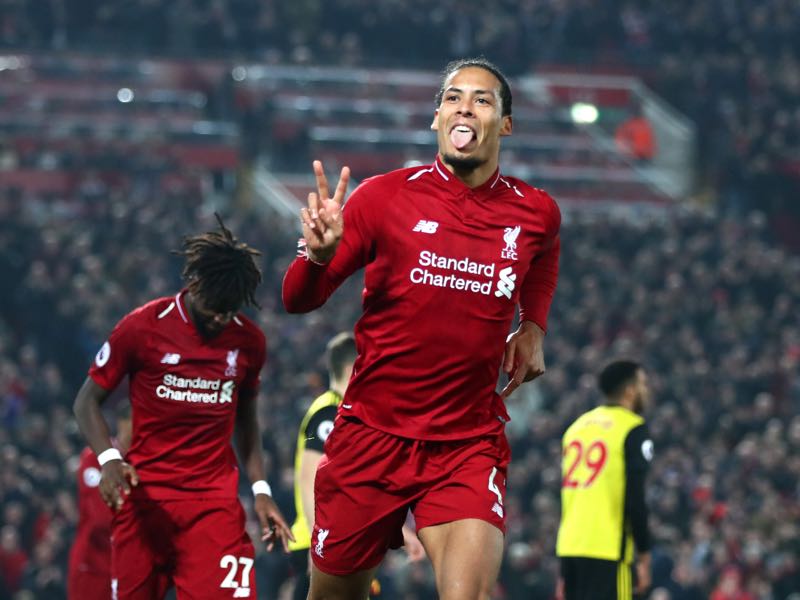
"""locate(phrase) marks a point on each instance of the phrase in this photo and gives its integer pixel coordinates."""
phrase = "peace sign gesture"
(322, 220)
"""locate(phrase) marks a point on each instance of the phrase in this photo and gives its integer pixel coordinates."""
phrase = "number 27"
(595, 456)
(230, 562)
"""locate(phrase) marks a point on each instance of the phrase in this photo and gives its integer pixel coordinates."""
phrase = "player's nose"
(465, 110)
(464, 107)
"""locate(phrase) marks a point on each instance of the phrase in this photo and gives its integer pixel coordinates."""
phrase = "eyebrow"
(459, 90)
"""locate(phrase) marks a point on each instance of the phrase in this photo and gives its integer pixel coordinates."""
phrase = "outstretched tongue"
(460, 138)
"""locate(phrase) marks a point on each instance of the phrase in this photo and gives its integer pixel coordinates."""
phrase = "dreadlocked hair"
(220, 269)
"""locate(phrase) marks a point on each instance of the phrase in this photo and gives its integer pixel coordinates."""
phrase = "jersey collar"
(455, 184)
(181, 306)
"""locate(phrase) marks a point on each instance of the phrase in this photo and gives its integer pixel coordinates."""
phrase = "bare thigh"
(340, 587)
(466, 557)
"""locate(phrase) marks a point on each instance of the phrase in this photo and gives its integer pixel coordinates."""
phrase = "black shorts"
(595, 579)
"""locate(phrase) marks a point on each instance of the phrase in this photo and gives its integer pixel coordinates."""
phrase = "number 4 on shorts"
(493, 486)
(498, 506)
(230, 562)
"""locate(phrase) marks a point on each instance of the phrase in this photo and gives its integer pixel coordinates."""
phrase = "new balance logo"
(321, 535)
(506, 285)
(497, 509)
(426, 226)
(171, 359)
(241, 593)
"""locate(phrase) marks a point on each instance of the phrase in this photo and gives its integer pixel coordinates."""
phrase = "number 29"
(594, 456)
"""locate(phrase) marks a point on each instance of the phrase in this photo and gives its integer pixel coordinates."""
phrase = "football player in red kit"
(89, 576)
(449, 250)
(194, 362)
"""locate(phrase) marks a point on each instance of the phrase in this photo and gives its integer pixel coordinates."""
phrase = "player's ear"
(507, 125)
(435, 124)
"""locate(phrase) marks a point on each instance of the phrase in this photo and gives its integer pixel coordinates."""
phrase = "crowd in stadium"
(733, 67)
(709, 304)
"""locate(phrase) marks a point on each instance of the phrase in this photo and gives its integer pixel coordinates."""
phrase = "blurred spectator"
(13, 559)
(730, 586)
(635, 138)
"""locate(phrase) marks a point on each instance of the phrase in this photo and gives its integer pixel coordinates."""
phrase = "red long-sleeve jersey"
(446, 266)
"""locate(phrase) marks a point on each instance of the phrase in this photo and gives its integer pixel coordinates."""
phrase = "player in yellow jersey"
(315, 428)
(606, 453)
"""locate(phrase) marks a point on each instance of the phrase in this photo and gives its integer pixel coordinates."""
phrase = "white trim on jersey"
(166, 311)
(238, 322)
(180, 309)
(496, 179)
(419, 173)
(442, 173)
(513, 187)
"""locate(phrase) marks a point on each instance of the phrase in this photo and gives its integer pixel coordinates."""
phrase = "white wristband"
(107, 455)
(261, 487)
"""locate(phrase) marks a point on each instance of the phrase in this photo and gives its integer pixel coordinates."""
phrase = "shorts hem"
(502, 527)
(342, 572)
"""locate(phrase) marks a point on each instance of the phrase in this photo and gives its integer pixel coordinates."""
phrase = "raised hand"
(322, 220)
(273, 525)
(524, 356)
(116, 481)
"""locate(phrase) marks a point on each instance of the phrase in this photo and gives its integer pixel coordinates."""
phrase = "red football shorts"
(200, 546)
(368, 480)
(85, 585)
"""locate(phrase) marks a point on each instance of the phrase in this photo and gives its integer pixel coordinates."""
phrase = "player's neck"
(188, 302)
(191, 311)
(338, 387)
(626, 404)
(472, 178)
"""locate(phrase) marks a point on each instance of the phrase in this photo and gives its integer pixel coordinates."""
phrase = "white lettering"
(196, 383)
(162, 391)
(463, 265)
(195, 390)
(454, 282)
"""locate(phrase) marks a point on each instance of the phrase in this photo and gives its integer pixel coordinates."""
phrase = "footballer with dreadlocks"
(193, 363)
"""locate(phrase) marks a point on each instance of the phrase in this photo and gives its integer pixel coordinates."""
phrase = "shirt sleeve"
(117, 356)
(536, 293)
(638, 454)
(307, 285)
(319, 427)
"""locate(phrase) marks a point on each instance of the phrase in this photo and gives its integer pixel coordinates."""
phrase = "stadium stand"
(124, 124)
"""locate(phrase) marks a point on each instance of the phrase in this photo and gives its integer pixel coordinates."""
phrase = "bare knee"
(467, 588)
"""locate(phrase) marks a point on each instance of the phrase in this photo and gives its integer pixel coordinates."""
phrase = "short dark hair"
(481, 63)
(340, 351)
(616, 376)
(220, 269)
